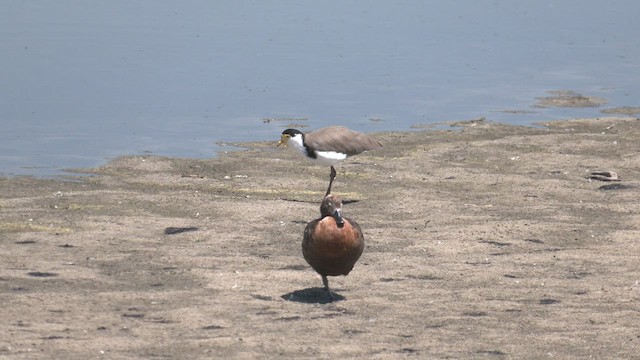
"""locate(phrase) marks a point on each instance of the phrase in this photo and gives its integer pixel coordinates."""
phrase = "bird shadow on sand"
(316, 295)
(344, 201)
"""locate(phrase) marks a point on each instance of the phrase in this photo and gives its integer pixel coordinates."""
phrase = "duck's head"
(332, 206)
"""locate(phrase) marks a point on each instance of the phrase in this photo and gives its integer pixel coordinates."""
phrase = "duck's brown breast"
(332, 250)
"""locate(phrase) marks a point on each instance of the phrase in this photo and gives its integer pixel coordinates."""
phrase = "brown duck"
(332, 244)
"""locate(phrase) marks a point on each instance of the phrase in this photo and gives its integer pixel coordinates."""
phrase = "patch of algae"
(14, 227)
(289, 193)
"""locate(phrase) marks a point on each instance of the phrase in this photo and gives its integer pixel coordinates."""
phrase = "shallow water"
(85, 82)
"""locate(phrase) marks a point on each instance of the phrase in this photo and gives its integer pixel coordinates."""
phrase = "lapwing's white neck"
(322, 157)
(298, 142)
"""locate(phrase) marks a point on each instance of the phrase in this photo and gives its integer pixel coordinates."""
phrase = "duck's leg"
(331, 177)
(325, 281)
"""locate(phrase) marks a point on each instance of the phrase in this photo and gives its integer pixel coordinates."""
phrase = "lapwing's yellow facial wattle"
(284, 139)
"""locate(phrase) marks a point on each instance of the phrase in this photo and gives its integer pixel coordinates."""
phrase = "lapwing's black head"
(291, 132)
(288, 134)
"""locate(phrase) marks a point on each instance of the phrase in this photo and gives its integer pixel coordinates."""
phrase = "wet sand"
(483, 240)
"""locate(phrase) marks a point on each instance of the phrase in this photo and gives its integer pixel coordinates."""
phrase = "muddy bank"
(482, 241)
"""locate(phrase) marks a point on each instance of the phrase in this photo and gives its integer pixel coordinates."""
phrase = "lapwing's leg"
(325, 281)
(331, 177)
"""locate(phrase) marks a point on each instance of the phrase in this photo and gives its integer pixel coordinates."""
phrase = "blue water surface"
(83, 82)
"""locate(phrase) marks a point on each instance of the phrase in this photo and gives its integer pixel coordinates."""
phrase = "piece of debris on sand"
(604, 176)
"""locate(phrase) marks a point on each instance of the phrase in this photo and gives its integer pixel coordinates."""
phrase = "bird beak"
(337, 214)
(282, 142)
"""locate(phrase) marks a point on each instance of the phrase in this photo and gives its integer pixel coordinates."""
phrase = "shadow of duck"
(315, 295)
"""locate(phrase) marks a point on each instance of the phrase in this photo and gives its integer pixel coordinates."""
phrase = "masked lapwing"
(329, 146)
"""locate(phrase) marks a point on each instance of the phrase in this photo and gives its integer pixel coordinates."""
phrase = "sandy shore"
(482, 241)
